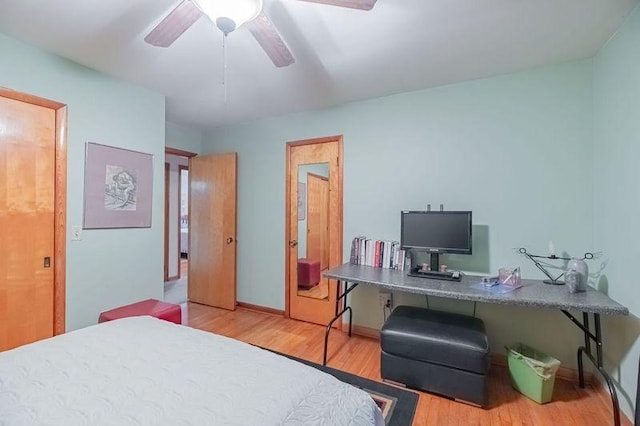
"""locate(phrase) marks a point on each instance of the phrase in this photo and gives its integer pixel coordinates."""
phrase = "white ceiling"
(341, 54)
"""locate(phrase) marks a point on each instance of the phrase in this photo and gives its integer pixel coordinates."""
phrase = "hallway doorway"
(176, 229)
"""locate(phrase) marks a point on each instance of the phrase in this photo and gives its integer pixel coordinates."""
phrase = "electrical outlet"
(76, 233)
(384, 299)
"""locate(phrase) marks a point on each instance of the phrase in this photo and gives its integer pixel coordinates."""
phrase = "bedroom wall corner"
(183, 138)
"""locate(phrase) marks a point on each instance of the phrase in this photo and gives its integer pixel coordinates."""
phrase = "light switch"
(76, 233)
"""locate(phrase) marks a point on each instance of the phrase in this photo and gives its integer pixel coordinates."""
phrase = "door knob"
(229, 240)
(293, 243)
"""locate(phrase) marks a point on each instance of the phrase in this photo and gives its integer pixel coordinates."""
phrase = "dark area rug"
(398, 406)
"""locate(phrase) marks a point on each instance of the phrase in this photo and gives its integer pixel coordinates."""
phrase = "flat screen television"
(436, 232)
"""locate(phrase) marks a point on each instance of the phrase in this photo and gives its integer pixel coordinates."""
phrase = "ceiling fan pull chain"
(224, 66)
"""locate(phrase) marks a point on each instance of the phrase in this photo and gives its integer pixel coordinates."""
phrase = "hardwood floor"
(361, 356)
(184, 267)
(320, 291)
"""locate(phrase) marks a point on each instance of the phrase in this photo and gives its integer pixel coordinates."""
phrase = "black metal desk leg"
(329, 326)
(597, 362)
(596, 319)
(587, 340)
(345, 308)
(587, 345)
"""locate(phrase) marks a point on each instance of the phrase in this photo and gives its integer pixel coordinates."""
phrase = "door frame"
(167, 227)
(60, 201)
(167, 194)
(287, 236)
(180, 169)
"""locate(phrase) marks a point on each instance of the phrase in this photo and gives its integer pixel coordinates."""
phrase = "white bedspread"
(144, 371)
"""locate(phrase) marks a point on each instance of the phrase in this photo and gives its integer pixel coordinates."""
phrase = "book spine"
(367, 249)
(383, 251)
(387, 253)
(377, 253)
(392, 255)
(354, 244)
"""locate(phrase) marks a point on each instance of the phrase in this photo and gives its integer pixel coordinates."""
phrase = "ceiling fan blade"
(267, 36)
(174, 25)
(353, 4)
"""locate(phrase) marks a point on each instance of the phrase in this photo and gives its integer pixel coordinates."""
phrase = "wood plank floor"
(184, 267)
(361, 356)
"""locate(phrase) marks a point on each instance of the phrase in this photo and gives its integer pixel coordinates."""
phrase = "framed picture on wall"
(302, 200)
(118, 187)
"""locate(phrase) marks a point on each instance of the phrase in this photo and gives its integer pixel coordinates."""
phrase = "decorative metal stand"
(551, 280)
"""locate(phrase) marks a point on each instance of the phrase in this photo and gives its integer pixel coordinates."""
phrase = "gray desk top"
(533, 293)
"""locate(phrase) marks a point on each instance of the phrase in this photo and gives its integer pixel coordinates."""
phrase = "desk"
(533, 293)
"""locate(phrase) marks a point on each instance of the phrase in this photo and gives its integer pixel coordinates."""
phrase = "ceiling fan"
(228, 15)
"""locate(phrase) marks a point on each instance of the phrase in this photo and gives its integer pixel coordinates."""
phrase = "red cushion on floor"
(155, 308)
(308, 273)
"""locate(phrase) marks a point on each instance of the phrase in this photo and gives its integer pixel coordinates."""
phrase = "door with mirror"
(314, 240)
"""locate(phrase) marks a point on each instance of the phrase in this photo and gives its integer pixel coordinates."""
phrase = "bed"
(146, 371)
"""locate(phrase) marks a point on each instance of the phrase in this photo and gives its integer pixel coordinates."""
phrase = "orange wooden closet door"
(27, 190)
(212, 230)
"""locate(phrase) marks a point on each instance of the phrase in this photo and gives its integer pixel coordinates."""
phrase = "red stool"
(155, 308)
(308, 273)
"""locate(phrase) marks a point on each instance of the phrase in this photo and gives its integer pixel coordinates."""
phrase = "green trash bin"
(532, 373)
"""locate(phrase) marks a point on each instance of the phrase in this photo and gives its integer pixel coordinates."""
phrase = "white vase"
(581, 267)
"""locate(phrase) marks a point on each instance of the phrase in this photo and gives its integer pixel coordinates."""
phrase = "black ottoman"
(437, 352)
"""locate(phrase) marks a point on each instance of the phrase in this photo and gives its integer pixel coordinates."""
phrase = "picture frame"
(118, 187)
(302, 200)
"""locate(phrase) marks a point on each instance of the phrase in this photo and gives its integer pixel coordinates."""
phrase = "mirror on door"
(313, 230)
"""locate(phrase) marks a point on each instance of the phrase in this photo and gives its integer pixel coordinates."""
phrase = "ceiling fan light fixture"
(229, 15)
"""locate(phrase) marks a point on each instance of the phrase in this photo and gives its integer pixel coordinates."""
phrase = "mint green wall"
(515, 149)
(184, 138)
(617, 194)
(107, 268)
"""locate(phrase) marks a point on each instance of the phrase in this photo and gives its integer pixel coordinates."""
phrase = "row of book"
(381, 254)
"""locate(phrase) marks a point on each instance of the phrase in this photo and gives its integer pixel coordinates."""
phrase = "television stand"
(434, 275)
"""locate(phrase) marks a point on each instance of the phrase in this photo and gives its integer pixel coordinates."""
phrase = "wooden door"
(317, 304)
(317, 219)
(27, 221)
(324, 225)
(212, 230)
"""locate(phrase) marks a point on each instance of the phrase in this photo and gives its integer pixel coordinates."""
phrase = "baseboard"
(173, 278)
(259, 308)
(363, 331)
(563, 373)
